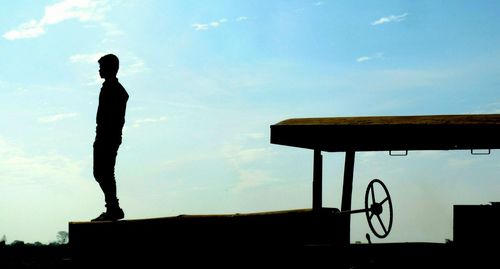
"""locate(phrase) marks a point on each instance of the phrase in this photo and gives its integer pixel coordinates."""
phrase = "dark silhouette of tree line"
(61, 239)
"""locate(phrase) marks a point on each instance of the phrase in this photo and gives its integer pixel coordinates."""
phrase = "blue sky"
(206, 80)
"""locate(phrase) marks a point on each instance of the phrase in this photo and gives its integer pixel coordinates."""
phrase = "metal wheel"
(377, 209)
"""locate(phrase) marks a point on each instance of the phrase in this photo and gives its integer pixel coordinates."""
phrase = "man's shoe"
(111, 215)
(102, 217)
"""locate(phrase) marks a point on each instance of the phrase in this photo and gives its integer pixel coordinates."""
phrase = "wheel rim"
(376, 209)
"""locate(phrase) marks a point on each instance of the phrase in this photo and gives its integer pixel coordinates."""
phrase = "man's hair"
(111, 62)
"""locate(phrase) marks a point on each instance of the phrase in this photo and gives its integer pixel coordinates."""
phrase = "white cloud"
(242, 18)
(138, 123)
(111, 29)
(206, 26)
(243, 161)
(251, 179)
(56, 117)
(200, 26)
(132, 65)
(28, 29)
(82, 10)
(238, 156)
(129, 64)
(392, 18)
(21, 168)
(320, 3)
(369, 58)
(491, 108)
(187, 161)
(86, 58)
(255, 136)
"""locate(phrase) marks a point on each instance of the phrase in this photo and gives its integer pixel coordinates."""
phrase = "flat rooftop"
(390, 133)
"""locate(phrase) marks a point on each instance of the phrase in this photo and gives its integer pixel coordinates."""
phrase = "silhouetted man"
(110, 120)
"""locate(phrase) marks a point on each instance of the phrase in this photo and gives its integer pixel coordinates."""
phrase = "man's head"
(108, 66)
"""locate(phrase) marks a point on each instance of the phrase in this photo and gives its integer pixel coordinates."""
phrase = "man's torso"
(110, 116)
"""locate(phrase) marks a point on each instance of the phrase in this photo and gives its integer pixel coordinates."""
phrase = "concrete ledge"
(206, 234)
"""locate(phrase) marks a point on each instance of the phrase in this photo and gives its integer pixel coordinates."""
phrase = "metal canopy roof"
(431, 132)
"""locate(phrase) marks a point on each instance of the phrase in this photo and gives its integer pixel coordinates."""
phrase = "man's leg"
(104, 173)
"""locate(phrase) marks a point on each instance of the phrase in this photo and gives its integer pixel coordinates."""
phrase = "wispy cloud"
(319, 3)
(215, 24)
(391, 18)
(86, 58)
(237, 156)
(243, 160)
(255, 136)
(56, 117)
(111, 29)
(200, 26)
(82, 10)
(251, 179)
(28, 29)
(491, 108)
(20, 168)
(138, 123)
(206, 26)
(369, 58)
(130, 64)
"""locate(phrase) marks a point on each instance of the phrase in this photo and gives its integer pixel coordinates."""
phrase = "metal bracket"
(402, 153)
(480, 152)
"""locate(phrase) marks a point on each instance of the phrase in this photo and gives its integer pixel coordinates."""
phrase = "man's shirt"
(111, 111)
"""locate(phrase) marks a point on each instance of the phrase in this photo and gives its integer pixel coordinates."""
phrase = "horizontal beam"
(440, 132)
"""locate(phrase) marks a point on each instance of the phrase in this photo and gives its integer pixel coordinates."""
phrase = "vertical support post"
(347, 192)
(317, 202)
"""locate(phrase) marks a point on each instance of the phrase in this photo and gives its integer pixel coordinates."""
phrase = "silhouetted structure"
(389, 133)
(319, 236)
(476, 224)
(110, 120)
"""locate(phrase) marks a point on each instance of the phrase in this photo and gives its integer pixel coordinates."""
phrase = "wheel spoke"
(378, 208)
(373, 193)
(381, 223)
